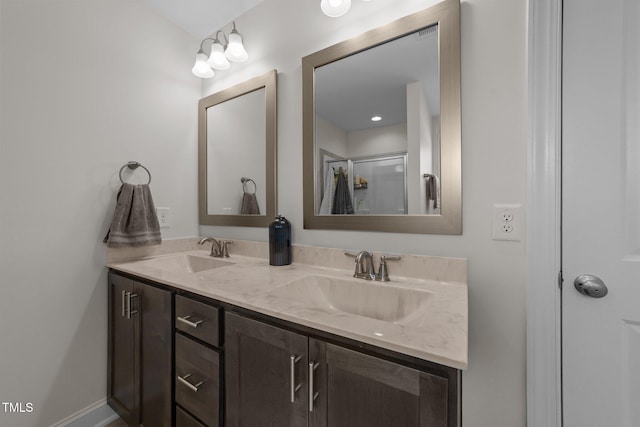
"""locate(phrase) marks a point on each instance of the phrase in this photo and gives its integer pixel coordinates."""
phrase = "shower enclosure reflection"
(377, 116)
(378, 185)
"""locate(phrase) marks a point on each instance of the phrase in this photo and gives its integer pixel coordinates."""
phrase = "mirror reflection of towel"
(249, 204)
(433, 190)
(342, 199)
(329, 192)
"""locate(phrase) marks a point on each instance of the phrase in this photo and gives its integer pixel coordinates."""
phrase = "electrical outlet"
(164, 217)
(508, 222)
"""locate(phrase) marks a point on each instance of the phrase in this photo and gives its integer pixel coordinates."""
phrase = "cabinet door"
(123, 393)
(266, 374)
(357, 390)
(154, 308)
(140, 352)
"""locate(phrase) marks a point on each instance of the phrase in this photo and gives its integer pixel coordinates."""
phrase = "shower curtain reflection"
(372, 185)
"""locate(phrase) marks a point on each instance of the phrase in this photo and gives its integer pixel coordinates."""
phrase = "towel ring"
(244, 181)
(134, 166)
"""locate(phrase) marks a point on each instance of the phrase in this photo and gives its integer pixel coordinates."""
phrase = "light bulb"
(201, 68)
(217, 59)
(235, 50)
(335, 8)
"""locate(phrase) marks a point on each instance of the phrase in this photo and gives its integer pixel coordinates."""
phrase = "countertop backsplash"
(445, 269)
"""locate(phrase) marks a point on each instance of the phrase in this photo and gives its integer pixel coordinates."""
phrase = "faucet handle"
(383, 271)
(225, 247)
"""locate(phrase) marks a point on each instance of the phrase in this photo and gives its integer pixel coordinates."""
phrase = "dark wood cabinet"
(184, 419)
(209, 364)
(276, 377)
(265, 374)
(357, 390)
(198, 380)
(198, 363)
(140, 345)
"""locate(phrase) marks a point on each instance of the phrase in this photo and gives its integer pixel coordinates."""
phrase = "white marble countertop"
(438, 332)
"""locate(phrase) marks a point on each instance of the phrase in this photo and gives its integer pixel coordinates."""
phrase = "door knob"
(591, 286)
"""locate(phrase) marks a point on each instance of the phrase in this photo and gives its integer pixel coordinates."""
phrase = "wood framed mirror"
(237, 159)
(382, 128)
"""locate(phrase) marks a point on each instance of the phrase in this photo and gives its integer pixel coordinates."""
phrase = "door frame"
(543, 231)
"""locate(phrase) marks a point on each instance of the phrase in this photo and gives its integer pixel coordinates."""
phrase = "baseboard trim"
(97, 414)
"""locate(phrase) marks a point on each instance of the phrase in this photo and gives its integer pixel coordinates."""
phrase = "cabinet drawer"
(198, 379)
(198, 319)
(184, 419)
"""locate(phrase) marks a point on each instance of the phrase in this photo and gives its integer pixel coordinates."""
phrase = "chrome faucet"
(216, 248)
(364, 266)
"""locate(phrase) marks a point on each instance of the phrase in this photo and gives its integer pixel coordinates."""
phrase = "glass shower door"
(380, 185)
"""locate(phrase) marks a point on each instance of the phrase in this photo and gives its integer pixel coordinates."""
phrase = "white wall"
(378, 140)
(493, 156)
(235, 150)
(420, 142)
(330, 137)
(86, 87)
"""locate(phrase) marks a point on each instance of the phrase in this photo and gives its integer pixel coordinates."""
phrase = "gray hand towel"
(433, 190)
(134, 220)
(250, 204)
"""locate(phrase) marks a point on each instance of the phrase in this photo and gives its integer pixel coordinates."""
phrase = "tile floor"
(116, 423)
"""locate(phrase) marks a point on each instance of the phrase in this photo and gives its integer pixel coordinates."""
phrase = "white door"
(601, 212)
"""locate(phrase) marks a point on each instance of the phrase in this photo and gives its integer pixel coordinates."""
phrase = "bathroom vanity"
(201, 341)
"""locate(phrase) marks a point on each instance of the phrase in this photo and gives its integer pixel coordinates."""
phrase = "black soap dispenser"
(280, 241)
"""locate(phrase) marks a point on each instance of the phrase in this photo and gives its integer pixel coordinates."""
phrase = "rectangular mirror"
(381, 123)
(237, 154)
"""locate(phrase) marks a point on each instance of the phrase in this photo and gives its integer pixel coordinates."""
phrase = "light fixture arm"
(202, 42)
(224, 37)
(218, 39)
(233, 27)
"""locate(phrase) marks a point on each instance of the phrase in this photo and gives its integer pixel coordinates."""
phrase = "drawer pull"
(129, 313)
(294, 387)
(124, 302)
(312, 394)
(184, 381)
(188, 322)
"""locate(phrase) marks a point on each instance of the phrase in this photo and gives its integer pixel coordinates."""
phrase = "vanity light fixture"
(220, 54)
(376, 118)
(335, 8)
(235, 49)
(217, 59)
(201, 68)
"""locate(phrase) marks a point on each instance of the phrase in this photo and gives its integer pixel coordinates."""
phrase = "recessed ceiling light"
(376, 118)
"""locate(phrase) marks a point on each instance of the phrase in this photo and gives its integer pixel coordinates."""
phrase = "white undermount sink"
(185, 263)
(354, 296)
